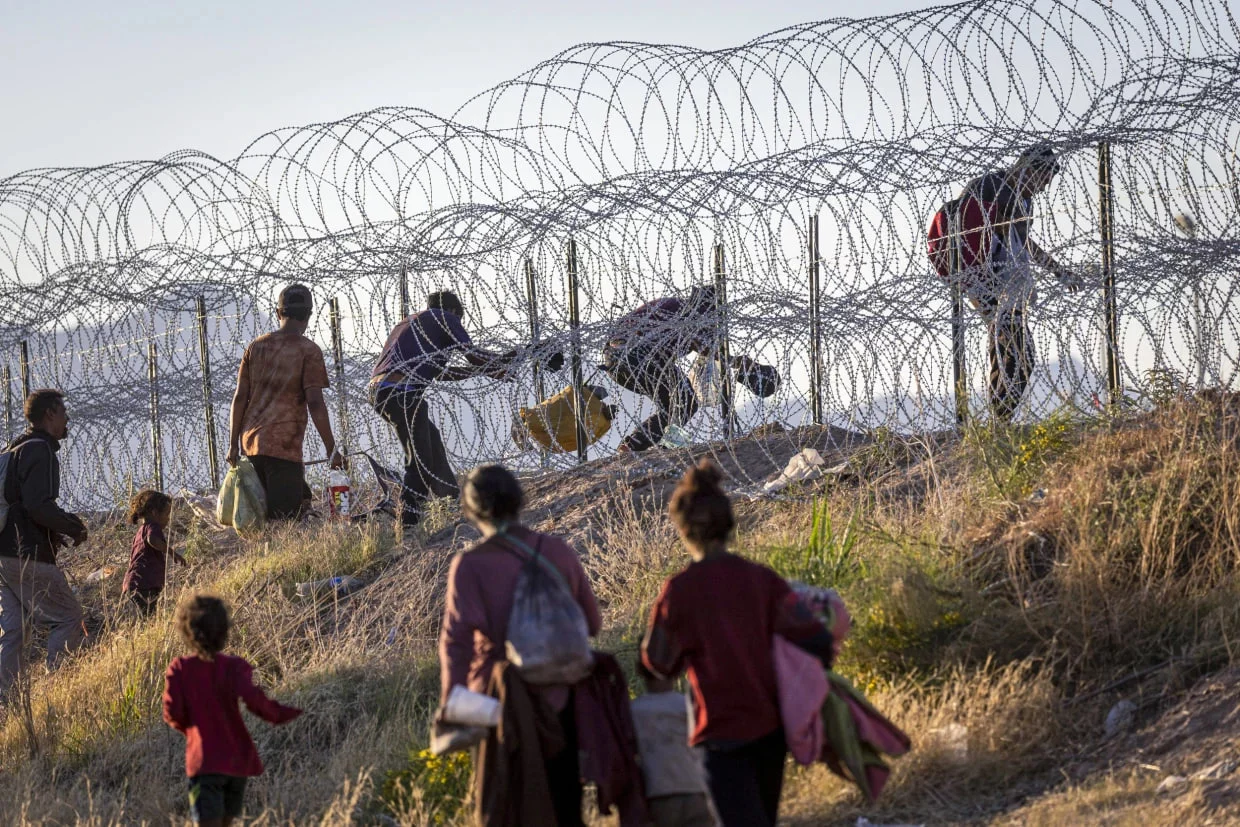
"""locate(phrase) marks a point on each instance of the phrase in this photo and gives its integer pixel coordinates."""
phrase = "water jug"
(338, 495)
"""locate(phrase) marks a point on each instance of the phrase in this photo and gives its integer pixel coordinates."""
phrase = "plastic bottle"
(339, 585)
(338, 495)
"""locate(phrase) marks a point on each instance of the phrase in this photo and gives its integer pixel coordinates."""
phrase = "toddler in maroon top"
(148, 558)
(201, 697)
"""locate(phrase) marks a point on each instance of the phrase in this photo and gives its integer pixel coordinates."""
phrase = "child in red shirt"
(148, 558)
(200, 701)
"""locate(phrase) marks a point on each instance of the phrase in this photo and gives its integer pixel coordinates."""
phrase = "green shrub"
(1015, 457)
(828, 557)
(434, 786)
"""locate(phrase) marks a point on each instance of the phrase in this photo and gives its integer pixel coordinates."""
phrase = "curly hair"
(699, 508)
(146, 504)
(203, 622)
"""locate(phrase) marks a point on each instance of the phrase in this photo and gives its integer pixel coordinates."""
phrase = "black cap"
(1040, 156)
(295, 297)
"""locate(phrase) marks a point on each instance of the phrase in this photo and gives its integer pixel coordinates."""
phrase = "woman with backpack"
(482, 584)
(716, 620)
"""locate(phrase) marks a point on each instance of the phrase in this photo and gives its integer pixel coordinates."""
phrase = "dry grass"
(978, 610)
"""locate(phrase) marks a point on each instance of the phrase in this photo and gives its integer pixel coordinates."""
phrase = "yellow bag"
(553, 424)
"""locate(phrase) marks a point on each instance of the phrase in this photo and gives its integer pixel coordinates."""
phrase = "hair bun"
(705, 476)
(699, 507)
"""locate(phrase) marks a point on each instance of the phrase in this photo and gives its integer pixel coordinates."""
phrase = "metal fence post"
(1107, 228)
(574, 326)
(23, 352)
(8, 404)
(208, 407)
(960, 379)
(404, 292)
(341, 396)
(815, 326)
(152, 375)
(531, 292)
(960, 376)
(724, 354)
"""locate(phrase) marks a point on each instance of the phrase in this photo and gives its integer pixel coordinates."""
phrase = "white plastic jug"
(338, 495)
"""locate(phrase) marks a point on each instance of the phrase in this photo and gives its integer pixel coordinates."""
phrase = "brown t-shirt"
(279, 368)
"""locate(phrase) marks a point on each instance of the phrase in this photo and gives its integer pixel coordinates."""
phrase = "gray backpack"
(548, 639)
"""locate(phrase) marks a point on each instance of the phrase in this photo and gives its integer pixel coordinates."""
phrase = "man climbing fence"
(981, 240)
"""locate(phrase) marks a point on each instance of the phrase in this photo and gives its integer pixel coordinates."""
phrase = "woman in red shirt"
(200, 701)
(716, 620)
(481, 583)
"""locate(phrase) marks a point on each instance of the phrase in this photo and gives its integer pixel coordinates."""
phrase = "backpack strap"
(522, 549)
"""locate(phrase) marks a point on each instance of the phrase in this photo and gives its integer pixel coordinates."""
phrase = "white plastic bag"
(548, 639)
(250, 510)
(706, 380)
(226, 502)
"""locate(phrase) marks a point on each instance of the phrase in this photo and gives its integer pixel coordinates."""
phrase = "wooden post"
(23, 351)
(342, 398)
(1107, 228)
(531, 292)
(574, 326)
(815, 326)
(724, 353)
(208, 407)
(152, 374)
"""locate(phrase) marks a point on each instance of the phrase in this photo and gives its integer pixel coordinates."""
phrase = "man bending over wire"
(642, 353)
(416, 354)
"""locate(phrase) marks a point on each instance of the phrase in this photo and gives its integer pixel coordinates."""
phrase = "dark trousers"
(659, 378)
(145, 599)
(745, 780)
(1011, 362)
(564, 773)
(427, 469)
(285, 484)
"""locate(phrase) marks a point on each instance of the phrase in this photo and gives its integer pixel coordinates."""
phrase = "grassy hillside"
(1007, 587)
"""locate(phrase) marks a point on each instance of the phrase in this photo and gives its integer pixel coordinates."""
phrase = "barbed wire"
(647, 157)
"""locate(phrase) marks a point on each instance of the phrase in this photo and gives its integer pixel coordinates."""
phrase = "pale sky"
(91, 83)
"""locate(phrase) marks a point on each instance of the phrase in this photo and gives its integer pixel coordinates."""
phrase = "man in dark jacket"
(417, 354)
(32, 588)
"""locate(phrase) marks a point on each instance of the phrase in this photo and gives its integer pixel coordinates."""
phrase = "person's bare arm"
(317, 406)
(236, 417)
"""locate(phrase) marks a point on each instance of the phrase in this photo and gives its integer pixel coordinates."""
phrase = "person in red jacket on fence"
(1000, 286)
(201, 701)
(716, 620)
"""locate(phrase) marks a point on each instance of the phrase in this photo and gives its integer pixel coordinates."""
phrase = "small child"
(148, 559)
(676, 792)
(200, 701)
